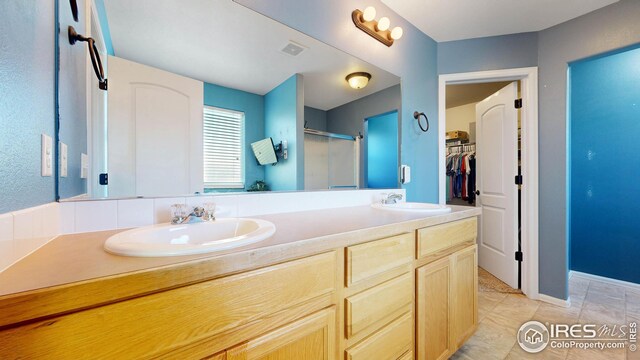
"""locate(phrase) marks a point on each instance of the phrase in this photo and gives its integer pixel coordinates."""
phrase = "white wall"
(462, 118)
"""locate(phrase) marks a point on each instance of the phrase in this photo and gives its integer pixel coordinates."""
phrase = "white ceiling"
(446, 20)
(224, 43)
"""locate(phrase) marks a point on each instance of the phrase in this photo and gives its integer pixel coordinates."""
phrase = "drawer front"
(391, 342)
(161, 322)
(376, 257)
(440, 237)
(370, 307)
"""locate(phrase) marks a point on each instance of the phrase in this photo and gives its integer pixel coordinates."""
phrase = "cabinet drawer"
(373, 258)
(159, 323)
(391, 342)
(370, 307)
(440, 237)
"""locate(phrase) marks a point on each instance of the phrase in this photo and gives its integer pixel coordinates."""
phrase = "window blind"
(223, 151)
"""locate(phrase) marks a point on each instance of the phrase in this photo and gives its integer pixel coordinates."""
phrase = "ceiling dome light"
(396, 33)
(369, 13)
(358, 80)
(383, 23)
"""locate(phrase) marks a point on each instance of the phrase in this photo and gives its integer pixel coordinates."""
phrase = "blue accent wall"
(27, 104)
(72, 90)
(283, 121)
(413, 58)
(253, 107)
(605, 165)
(382, 151)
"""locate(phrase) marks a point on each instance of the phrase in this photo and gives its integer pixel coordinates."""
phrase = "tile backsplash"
(24, 231)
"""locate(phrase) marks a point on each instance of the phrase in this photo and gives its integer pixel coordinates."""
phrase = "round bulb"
(396, 33)
(369, 13)
(383, 24)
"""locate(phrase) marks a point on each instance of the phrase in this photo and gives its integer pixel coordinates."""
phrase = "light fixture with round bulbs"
(379, 30)
(358, 80)
(369, 13)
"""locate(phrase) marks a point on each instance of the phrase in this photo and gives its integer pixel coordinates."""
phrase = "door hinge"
(103, 179)
(518, 255)
(518, 179)
(518, 103)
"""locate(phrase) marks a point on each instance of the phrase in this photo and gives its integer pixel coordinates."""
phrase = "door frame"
(528, 78)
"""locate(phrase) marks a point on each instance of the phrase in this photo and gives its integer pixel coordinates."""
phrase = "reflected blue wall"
(605, 165)
(72, 90)
(284, 112)
(382, 151)
(253, 107)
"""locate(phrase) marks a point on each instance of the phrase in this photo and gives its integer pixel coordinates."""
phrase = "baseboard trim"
(603, 279)
(554, 301)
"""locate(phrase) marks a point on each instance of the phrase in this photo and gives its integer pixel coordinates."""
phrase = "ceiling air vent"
(293, 49)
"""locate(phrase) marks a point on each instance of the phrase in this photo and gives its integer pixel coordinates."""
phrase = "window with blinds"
(223, 148)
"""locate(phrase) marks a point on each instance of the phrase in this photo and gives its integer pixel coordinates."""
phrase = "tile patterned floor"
(501, 315)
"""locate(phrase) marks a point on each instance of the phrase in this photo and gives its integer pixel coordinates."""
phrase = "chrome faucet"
(198, 214)
(392, 198)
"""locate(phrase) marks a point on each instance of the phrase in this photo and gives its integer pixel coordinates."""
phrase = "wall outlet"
(47, 155)
(84, 166)
(64, 163)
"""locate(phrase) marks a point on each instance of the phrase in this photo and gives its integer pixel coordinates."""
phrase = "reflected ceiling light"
(358, 80)
(379, 30)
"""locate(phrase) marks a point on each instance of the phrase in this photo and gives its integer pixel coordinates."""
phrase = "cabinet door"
(464, 295)
(312, 338)
(433, 310)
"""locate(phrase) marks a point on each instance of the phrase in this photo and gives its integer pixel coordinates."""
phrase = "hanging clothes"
(460, 174)
(472, 180)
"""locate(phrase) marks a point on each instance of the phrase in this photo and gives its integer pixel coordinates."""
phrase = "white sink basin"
(425, 208)
(189, 239)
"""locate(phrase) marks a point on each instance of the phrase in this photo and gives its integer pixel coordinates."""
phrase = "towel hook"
(416, 115)
(93, 51)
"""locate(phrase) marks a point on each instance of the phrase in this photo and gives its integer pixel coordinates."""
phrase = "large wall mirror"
(193, 85)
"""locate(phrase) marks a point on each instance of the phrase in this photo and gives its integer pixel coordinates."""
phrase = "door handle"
(477, 192)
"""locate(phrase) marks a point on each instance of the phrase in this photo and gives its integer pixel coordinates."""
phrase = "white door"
(154, 130)
(496, 145)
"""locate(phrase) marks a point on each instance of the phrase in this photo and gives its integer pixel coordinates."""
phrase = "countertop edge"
(56, 300)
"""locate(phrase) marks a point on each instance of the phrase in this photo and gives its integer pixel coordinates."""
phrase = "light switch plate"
(63, 160)
(84, 166)
(47, 155)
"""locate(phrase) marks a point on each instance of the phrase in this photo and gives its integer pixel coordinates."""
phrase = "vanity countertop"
(73, 271)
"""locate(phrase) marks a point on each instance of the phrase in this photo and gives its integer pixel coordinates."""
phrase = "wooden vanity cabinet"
(404, 296)
(446, 290)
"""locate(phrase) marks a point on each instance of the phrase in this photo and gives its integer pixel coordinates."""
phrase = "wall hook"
(93, 51)
(416, 115)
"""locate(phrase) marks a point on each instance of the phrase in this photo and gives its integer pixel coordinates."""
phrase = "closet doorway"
(481, 166)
